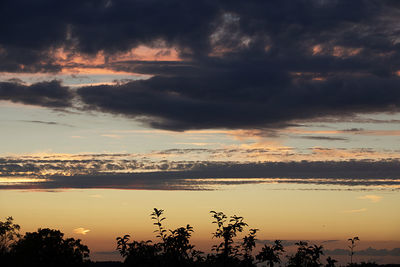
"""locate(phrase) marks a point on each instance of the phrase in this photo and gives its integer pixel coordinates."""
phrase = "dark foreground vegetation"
(49, 248)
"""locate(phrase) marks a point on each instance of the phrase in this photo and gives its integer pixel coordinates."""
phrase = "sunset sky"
(284, 112)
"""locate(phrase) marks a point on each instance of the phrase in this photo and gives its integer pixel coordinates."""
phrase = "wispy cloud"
(366, 252)
(355, 210)
(196, 143)
(324, 138)
(372, 198)
(81, 231)
(47, 123)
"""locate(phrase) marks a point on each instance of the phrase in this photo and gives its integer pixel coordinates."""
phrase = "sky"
(186, 97)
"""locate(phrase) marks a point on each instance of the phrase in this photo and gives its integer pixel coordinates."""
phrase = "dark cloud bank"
(47, 94)
(196, 175)
(244, 63)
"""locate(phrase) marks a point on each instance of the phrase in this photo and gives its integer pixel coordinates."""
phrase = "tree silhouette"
(47, 248)
(352, 246)
(271, 254)
(227, 232)
(9, 234)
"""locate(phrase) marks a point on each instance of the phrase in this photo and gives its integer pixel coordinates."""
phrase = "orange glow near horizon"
(280, 211)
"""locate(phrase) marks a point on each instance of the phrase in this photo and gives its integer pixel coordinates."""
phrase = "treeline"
(47, 247)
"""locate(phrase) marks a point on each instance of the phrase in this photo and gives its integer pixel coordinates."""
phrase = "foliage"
(173, 250)
(248, 244)
(271, 254)
(47, 247)
(306, 256)
(227, 232)
(229, 253)
(330, 262)
(141, 253)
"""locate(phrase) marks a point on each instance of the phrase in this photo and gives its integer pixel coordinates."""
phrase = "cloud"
(325, 138)
(366, 252)
(285, 243)
(372, 198)
(221, 162)
(126, 171)
(47, 123)
(212, 64)
(46, 94)
(355, 211)
(112, 136)
(159, 101)
(81, 231)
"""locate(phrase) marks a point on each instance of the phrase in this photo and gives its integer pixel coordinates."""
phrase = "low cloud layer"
(238, 64)
(190, 175)
(366, 252)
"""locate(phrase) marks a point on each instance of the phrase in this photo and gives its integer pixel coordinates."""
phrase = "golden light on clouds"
(146, 53)
(19, 180)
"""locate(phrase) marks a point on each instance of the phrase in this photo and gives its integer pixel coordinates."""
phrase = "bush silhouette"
(271, 254)
(47, 247)
(175, 249)
(306, 255)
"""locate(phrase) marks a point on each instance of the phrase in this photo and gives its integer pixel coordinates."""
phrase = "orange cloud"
(81, 231)
(336, 51)
(73, 63)
(316, 49)
(341, 51)
(147, 53)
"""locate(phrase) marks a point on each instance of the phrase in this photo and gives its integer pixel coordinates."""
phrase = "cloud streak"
(356, 210)
(372, 198)
(118, 171)
(366, 252)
